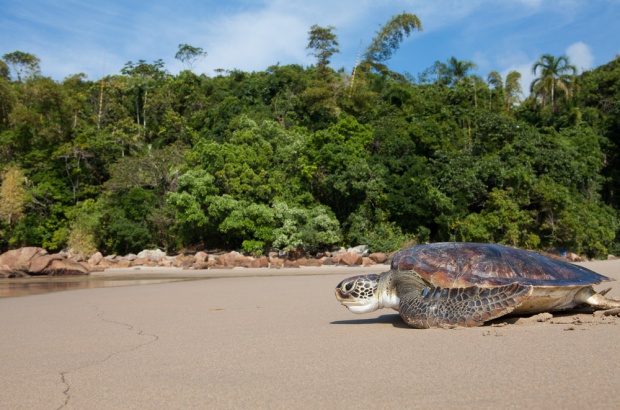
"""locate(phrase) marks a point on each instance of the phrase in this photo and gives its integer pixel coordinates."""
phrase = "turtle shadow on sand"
(395, 320)
(578, 315)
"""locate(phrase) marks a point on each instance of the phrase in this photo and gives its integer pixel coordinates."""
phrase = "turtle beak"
(341, 296)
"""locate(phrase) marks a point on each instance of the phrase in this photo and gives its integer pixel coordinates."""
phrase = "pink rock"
(201, 256)
(368, 261)
(39, 264)
(95, 259)
(65, 267)
(276, 262)
(20, 259)
(378, 257)
(351, 259)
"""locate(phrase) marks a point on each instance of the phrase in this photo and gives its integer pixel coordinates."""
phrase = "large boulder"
(351, 259)
(19, 260)
(153, 255)
(65, 267)
(378, 257)
(31, 260)
(362, 250)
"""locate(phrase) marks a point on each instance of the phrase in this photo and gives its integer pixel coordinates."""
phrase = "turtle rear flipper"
(468, 307)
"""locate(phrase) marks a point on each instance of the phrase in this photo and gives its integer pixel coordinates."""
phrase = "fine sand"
(278, 339)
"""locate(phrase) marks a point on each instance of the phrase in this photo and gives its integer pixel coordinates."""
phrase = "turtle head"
(367, 293)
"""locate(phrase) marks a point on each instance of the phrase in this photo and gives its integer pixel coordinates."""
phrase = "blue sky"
(98, 37)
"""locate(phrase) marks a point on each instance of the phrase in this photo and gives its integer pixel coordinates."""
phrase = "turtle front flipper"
(468, 307)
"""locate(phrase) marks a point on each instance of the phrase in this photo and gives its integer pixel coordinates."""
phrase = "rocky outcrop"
(33, 261)
(30, 261)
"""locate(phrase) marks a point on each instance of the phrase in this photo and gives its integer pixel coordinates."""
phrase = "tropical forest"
(311, 158)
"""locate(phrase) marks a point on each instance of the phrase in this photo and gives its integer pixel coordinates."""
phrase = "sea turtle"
(467, 284)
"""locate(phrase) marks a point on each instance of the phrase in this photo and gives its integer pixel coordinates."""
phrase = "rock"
(350, 259)
(138, 261)
(130, 257)
(611, 258)
(104, 264)
(329, 262)
(360, 250)
(122, 264)
(202, 265)
(291, 264)
(231, 259)
(573, 257)
(309, 262)
(275, 262)
(378, 257)
(154, 255)
(201, 256)
(367, 261)
(184, 261)
(38, 266)
(7, 272)
(77, 257)
(167, 261)
(143, 262)
(261, 262)
(65, 267)
(95, 259)
(20, 259)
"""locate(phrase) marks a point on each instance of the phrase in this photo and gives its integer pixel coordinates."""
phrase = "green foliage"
(324, 43)
(310, 157)
(24, 64)
(556, 78)
(387, 40)
(85, 219)
(190, 55)
(125, 225)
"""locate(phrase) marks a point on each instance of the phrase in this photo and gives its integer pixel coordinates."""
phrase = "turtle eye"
(348, 286)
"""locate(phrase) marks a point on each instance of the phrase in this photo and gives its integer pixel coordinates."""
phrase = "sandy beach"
(278, 339)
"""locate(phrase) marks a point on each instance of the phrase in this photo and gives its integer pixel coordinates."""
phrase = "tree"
(12, 195)
(513, 88)
(189, 55)
(24, 64)
(387, 40)
(4, 70)
(458, 70)
(144, 77)
(510, 90)
(556, 74)
(495, 80)
(324, 43)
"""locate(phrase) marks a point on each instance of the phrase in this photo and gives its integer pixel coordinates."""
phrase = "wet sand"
(276, 339)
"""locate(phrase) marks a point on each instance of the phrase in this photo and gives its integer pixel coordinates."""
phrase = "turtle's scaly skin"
(472, 306)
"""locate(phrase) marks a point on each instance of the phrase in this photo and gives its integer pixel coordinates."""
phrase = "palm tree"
(556, 73)
(510, 91)
(459, 69)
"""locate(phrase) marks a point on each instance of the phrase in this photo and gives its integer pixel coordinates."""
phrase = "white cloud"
(255, 41)
(580, 56)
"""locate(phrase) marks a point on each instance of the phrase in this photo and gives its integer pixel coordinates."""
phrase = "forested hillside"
(310, 157)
